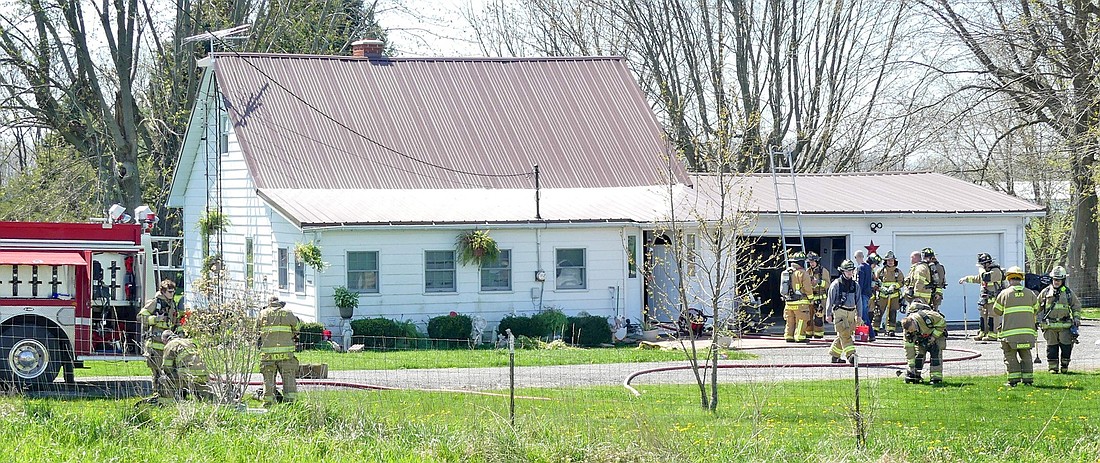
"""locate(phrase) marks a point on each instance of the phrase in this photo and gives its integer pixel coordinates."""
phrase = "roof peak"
(223, 54)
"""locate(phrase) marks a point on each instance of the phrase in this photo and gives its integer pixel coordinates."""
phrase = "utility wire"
(227, 45)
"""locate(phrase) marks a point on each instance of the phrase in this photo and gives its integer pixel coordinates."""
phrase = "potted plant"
(346, 301)
(476, 246)
(310, 254)
(650, 331)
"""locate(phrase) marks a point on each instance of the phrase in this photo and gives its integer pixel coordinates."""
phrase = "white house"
(383, 162)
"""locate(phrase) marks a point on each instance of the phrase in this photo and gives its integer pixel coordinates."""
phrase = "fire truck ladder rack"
(167, 257)
(781, 163)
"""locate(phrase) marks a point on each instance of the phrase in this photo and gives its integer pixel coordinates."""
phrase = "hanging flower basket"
(310, 254)
(476, 247)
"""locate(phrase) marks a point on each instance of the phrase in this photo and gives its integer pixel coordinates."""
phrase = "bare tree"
(1041, 57)
(783, 71)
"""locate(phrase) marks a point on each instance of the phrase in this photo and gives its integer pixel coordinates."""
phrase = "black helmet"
(846, 265)
(813, 257)
(796, 257)
(927, 252)
(984, 258)
(874, 259)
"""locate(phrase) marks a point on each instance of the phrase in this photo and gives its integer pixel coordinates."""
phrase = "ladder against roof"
(167, 257)
(781, 163)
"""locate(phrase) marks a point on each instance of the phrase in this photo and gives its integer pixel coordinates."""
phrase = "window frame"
(377, 273)
(283, 273)
(453, 271)
(558, 269)
(507, 267)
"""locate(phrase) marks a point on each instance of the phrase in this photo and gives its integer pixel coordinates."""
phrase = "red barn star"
(872, 248)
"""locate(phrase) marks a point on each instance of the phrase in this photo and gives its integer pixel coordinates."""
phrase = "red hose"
(970, 354)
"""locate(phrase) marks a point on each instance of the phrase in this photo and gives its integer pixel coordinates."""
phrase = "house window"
(632, 256)
(439, 271)
(363, 271)
(570, 269)
(249, 261)
(496, 275)
(299, 275)
(283, 263)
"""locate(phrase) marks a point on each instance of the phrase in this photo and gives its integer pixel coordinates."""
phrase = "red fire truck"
(69, 293)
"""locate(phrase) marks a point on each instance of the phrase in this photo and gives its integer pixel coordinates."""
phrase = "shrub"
(552, 321)
(452, 326)
(309, 334)
(521, 326)
(383, 333)
(587, 330)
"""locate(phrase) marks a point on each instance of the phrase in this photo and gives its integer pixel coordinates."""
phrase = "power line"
(339, 123)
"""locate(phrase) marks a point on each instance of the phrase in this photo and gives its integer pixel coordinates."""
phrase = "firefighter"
(159, 314)
(925, 282)
(887, 297)
(991, 278)
(1059, 317)
(795, 288)
(183, 369)
(841, 307)
(820, 279)
(278, 329)
(1017, 306)
(925, 332)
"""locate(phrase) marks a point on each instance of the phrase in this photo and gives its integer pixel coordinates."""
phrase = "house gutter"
(467, 226)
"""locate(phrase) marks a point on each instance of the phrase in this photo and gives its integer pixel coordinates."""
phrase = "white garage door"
(959, 254)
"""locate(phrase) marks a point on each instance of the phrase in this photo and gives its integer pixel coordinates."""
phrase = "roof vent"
(368, 48)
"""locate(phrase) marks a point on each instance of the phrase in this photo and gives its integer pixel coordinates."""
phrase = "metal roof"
(338, 122)
(325, 207)
(860, 193)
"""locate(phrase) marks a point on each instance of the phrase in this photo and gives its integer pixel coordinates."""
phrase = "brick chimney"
(368, 48)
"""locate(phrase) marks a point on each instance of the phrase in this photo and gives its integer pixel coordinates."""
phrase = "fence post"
(511, 377)
(860, 437)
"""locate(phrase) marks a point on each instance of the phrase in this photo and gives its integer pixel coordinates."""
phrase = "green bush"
(521, 326)
(587, 330)
(457, 327)
(383, 333)
(552, 321)
(309, 334)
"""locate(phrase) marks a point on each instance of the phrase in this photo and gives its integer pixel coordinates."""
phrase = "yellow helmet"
(1014, 273)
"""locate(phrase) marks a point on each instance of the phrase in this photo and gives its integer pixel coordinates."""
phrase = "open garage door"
(958, 253)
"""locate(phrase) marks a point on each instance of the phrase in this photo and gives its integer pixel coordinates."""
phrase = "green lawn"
(455, 358)
(973, 419)
(1091, 313)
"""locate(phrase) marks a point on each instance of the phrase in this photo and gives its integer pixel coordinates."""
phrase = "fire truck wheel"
(30, 355)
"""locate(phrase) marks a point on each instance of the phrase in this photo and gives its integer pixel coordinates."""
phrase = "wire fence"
(764, 384)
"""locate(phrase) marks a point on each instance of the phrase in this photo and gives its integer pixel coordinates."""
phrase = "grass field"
(973, 419)
(1091, 313)
(455, 358)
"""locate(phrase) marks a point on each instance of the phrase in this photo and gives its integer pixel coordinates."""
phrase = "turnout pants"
(1059, 348)
(886, 307)
(1019, 363)
(989, 322)
(287, 368)
(845, 321)
(916, 352)
(798, 315)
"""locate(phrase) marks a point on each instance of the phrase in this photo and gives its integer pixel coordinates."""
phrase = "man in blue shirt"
(865, 278)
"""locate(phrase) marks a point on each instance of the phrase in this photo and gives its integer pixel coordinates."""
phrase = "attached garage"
(898, 211)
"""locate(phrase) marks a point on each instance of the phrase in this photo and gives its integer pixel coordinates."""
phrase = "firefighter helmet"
(890, 255)
(1058, 273)
(1014, 273)
(813, 257)
(846, 266)
(167, 335)
(916, 306)
(796, 257)
(927, 252)
(984, 258)
(874, 259)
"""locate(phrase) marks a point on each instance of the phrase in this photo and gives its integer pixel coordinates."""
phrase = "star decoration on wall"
(872, 248)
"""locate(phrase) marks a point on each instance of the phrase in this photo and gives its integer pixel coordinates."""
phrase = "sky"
(420, 28)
